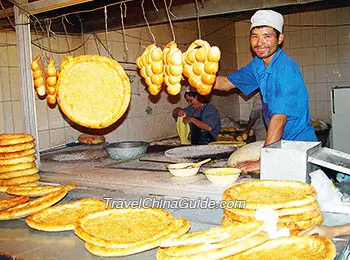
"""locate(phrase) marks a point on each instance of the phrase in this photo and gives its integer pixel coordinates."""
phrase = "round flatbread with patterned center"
(36, 191)
(93, 91)
(13, 201)
(297, 248)
(271, 194)
(122, 228)
(11, 139)
(17, 154)
(64, 216)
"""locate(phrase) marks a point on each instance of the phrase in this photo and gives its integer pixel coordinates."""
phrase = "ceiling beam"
(6, 12)
(42, 6)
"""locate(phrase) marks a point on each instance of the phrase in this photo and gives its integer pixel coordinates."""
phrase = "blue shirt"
(283, 92)
(189, 110)
(210, 116)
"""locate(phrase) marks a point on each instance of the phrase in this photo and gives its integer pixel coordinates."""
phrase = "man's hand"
(324, 231)
(249, 166)
(222, 83)
(187, 120)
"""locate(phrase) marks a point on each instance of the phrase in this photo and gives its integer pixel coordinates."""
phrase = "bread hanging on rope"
(172, 58)
(151, 67)
(200, 65)
(51, 81)
(38, 76)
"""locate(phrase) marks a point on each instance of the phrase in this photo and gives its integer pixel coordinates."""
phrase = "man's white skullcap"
(268, 18)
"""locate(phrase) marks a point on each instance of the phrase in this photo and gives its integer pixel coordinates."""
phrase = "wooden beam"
(6, 12)
(42, 6)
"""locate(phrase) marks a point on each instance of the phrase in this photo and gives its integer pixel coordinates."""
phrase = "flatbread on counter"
(33, 206)
(295, 247)
(13, 201)
(36, 191)
(64, 216)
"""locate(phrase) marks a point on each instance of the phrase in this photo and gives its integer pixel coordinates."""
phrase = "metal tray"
(201, 151)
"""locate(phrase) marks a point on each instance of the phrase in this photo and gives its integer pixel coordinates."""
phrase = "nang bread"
(93, 91)
(271, 194)
(181, 226)
(17, 154)
(11, 139)
(11, 202)
(64, 216)
(36, 191)
(122, 228)
(294, 247)
(33, 206)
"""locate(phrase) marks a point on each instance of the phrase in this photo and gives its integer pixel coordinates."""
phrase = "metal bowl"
(126, 150)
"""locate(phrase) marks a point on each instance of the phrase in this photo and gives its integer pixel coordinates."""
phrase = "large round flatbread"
(280, 212)
(271, 194)
(13, 201)
(64, 216)
(36, 191)
(249, 152)
(12, 161)
(19, 180)
(16, 167)
(288, 218)
(17, 154)
(215, 243)
(296, 248)
(93, 91)
(33, 206)
(11, 139)
(181, 226)
(4, 188)
(19, 173)
(122, 228)
(17, 147)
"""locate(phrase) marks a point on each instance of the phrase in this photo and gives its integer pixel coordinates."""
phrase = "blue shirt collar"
(262, 69)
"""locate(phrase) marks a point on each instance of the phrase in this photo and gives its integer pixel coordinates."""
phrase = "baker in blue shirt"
(281, 84)
(204, 122)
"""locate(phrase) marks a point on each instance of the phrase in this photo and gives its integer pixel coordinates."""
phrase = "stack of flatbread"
(17, 160)
(215, 243)
(120, 232)
(294, 203)
(21, 206)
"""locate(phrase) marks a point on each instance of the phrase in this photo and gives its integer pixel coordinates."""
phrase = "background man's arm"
(275, 128)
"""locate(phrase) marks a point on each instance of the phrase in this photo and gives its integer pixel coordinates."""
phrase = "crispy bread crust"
(271, 194)
(19, 154)
(19, 173)
(13, 161)
(11, 139)
(19, 180)
(36, 191)
(181, 227)
(12, 202)
(17, 147)
(122, 228)
(33, 206)
(294, 247)
(64, 216)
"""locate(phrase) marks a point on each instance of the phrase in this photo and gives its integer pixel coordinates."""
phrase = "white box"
(288, 160)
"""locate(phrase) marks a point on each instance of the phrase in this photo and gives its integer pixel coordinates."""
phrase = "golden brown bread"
(13, 201)
(64, 216)
(294, 247)
(11, 139)
(17, 147)
(19, 173)
(33, 206)
(93, 91)
(36, 191)
(91, 139)
(12, 161)
(172, 58)
(16, 154)
(271, 194)
(122, 228)
(19, 180)
(38, 76)
(181, 226)
(51, 81)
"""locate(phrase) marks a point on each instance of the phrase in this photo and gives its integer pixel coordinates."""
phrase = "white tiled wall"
(136, 124)
(320, 43)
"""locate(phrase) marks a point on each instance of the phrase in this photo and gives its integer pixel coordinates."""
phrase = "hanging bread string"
(150, 63)
(38, 76)
(172, 58)
(66, 34)
(106, 30)
(122, 16)
(198, 23)
(51, 81)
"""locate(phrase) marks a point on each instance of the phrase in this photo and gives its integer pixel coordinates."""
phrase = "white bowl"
(222, 176)
(176, 169)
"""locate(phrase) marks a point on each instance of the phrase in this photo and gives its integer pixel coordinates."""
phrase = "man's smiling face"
(264, 42)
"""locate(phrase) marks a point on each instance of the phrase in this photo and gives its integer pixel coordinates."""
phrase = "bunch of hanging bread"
(91, 90)
(199, 64)
(17, 160)
(294, 202)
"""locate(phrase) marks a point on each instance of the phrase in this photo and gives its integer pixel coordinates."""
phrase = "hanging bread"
(172, 58)
(51, 81)
(151, 66)
(200, 65)
(38, 76)
(93, 91)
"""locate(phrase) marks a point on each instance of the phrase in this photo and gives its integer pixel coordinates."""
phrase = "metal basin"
(126, 150)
